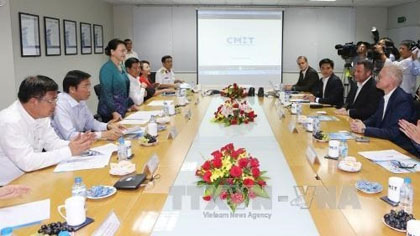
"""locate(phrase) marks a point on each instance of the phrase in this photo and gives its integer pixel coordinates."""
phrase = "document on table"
(99, 159)
(133, 122)
(393, 161)
(185, 86)
(143, 115)
(159, 103)
(25, 214)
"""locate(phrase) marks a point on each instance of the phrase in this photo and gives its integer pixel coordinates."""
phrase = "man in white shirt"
(165, 76)
(72, 115)
(137, 89)
(409, 80)
(130, 52)
(26, 131)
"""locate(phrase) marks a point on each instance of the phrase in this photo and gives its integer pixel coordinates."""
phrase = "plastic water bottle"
(299, 108)
(79, 188)
(316, 128)
(343, 149)
(122, 150)
(152, 126)
(406, 196)
(165, 109)
(7, 231)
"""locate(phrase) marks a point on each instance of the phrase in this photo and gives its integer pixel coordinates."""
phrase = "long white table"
(185, 213)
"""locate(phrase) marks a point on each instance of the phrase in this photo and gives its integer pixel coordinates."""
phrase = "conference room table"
(334, 204)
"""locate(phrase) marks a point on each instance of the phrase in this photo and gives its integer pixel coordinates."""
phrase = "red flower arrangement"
(234, 112)
(233, 91)
(232, 175)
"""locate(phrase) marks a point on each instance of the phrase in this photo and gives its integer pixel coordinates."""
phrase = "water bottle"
(165, 109)
(79, 188)
(406, 196)
(152, 126)
(299, 108)
(122, 150)
(7, 231)
(343, 149)
(316, 127)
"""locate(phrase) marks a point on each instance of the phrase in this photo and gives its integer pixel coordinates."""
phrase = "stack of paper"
(25, 214)
(159, 103)
(393, 161)
(99, 159)
(143, 115)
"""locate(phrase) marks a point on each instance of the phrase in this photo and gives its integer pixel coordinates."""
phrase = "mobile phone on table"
(362, 139)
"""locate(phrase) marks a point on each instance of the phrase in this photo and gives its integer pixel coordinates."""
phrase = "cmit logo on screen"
(240, 41)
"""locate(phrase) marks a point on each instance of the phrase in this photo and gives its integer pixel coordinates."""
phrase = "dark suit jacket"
(400, 106)
(306, 84)
(333, 91)
(366, 102)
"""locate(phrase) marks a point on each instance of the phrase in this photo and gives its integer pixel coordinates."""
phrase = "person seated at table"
(28, 142)
(329, 89)
(13, 191)
(412, 131)
(165, 76)
(114, 99)
(137, 88)
(130, 52)
(152, 88)
(363, 98)
(394, 106)
(308, 77)
(72, 115)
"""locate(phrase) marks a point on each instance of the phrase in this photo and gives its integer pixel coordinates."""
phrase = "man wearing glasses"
(27, 140)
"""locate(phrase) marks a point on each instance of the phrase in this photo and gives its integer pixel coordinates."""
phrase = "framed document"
(52, 36)
(70, 37)
(98, 39)
(85, 38)
(29, 35)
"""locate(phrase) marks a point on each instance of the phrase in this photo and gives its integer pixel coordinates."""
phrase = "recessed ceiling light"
(322, 0)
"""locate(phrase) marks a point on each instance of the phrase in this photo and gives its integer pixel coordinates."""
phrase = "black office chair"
(97, 89)
(153, 77)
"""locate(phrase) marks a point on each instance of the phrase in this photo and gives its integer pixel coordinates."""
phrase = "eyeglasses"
(402, 165)
(50, 101)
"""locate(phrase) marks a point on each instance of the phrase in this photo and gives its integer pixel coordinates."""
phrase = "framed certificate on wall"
(85, 38)
(52, 36)
(70, 37)
(30, 45)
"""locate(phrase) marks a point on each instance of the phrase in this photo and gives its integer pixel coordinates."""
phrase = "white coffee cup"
(413, 228)
(171, 109)
(333, 148)
(394, 186)
(309, 124)
(75, 210)
(294, 108)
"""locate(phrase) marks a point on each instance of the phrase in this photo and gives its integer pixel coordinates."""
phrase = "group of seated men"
(381, 106)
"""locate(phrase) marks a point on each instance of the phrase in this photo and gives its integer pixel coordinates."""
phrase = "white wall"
(409, 29)
(123, 21)
(7, 92)
(55, 67)
(366, 17)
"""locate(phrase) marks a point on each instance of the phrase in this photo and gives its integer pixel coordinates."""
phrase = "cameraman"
(409, 80)
(415, 67)
(362, 51)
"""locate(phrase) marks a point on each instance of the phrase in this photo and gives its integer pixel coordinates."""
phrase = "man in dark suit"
(329, 89)
(363, 98)
(308, 77)
(394, 106)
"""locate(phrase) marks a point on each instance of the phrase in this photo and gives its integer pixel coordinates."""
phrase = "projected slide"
(239, 46)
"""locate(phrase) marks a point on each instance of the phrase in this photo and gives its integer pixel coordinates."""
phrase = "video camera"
(415, 45)
(346, 51)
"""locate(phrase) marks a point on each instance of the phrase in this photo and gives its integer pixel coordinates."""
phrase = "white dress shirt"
(409, 80)
(163, 76)
(359, 87)
(415, 68)
(22, 140)
(386, 99)
(71, 118)
(137, 92)
(324, 85)
(130, 55)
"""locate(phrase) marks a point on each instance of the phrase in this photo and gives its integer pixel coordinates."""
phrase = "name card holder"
(109, 226)
(173, 132)
(312, 158)
(281, 113)
(292, 127)
(151, 166)
(188, 114)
